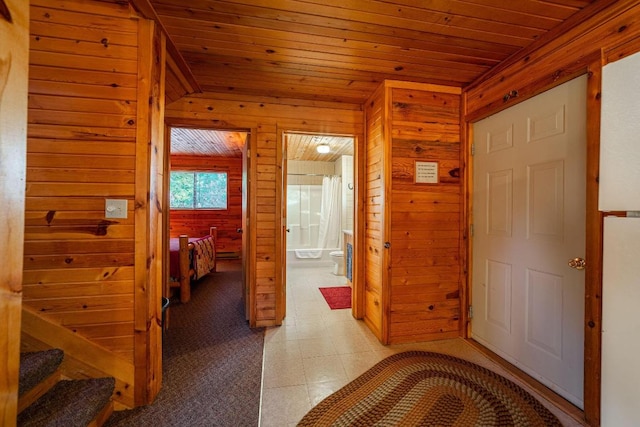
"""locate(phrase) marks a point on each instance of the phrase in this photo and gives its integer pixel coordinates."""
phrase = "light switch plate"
(115, 208)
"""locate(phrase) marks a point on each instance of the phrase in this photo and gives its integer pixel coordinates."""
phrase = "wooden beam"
(147, 214)
(14, 64)
(180, 75)
(145, 8)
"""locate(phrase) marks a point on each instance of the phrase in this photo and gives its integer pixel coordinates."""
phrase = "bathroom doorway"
(318, 215)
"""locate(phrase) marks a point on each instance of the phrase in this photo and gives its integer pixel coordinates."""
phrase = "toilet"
(338, 262)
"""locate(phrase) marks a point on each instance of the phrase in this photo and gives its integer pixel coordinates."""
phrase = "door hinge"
(470, 315)
(473, 149)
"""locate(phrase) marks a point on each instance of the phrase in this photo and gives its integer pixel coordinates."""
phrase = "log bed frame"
(186, 271)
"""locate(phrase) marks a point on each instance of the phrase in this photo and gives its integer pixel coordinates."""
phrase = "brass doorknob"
(577, 263)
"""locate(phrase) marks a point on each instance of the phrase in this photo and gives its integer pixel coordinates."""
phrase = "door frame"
(358, 287)
(250, 236)
(593, 240)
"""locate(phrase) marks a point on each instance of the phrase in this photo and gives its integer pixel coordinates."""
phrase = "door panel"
(498, 296)
(529, 220)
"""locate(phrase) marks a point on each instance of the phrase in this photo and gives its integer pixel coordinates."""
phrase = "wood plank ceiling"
(207, 142)
(220, 143)
(340, 50)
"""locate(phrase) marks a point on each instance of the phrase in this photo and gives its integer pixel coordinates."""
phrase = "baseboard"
(228, 255)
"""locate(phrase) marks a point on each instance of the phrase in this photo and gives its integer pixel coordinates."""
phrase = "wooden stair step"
(70, 403)
(37, 366)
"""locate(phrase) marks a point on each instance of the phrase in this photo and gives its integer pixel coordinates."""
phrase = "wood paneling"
(264, 116)
(148, 214)
(14, 33)
(197, 222)
(96, 100)
(56, 175)
(334, 50)
(207, 142)
(414, 284)
(421, 308)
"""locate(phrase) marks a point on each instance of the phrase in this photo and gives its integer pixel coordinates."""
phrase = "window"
(198, 190)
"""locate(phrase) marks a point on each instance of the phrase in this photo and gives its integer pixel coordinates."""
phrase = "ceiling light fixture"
(323, 148)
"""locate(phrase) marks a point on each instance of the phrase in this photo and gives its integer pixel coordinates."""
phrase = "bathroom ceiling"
(304, 147)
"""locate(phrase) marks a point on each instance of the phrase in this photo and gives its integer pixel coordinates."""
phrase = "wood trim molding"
(427, 87)
(545, 82)
(252, 204)
(280, 273)
(358, 260)
(466, 170)
(594, 252)
(385, 220)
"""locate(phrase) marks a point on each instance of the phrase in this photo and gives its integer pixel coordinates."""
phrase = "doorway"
(529, 207)
(216, 159)
(318, 216)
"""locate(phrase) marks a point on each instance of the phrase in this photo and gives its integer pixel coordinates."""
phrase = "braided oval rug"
(418, 388)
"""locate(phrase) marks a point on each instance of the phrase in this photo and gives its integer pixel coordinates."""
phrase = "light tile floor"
(318, 350)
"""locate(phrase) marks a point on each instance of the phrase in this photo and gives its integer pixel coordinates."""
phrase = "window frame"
(193, 172)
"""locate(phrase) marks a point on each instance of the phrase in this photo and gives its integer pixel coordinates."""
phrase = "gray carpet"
(70, 403)
(37, 366)
(212, 362)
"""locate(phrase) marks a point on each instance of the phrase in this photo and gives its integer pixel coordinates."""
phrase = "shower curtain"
(330, 210)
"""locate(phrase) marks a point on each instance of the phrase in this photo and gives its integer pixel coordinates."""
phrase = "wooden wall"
(93, 70)
(415, 283)
(197, 222)
(425, 232)
(267, 118)
(14, 33)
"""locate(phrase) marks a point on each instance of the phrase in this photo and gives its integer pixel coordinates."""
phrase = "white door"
(529, 221)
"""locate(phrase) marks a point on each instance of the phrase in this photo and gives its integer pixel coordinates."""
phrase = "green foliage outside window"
(198, 190)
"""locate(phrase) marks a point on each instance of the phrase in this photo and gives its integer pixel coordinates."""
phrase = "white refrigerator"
(620, 191)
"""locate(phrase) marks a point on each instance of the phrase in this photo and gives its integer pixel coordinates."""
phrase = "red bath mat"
(337, 297)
